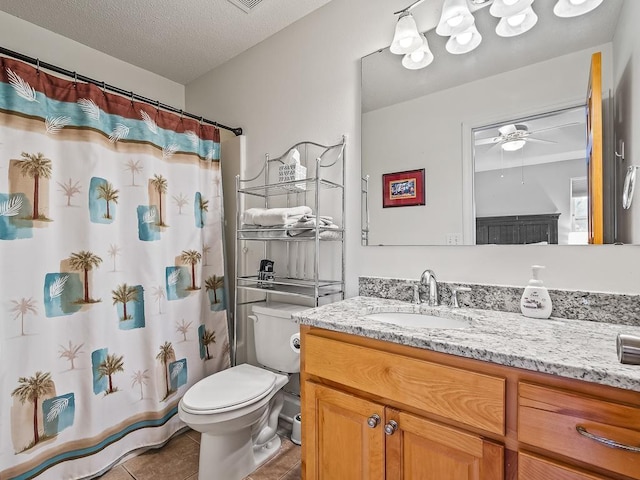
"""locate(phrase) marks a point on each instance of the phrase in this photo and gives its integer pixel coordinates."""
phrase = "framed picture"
(403, 189)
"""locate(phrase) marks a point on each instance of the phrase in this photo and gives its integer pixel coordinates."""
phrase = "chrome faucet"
(428, 279)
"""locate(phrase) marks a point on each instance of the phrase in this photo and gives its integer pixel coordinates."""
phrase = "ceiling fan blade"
(555, 127)
(488, 141)
(539, 140)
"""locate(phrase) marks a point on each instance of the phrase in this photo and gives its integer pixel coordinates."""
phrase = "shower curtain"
(112, 282)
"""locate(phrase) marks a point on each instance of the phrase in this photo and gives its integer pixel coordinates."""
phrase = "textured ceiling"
(177, 39)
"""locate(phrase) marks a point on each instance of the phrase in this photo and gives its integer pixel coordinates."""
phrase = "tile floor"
(178, 460)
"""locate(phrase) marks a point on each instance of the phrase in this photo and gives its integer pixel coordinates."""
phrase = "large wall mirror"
(498, 135)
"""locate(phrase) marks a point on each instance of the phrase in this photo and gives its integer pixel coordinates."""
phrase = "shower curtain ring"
(104, 88)
(37, 66)
(132, 99)
(201, 120)
(75, 79)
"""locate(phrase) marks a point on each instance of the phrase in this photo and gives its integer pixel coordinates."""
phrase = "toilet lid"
(236, 386)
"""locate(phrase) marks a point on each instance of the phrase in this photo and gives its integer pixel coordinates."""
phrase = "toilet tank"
(273, 329)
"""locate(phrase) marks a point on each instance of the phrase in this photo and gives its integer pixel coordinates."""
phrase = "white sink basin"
(410, 319)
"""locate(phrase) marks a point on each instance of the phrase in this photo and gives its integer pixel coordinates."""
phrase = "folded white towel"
(308, 223)
(269, 217)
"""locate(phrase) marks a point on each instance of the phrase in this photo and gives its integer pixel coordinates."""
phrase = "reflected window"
(579, 234)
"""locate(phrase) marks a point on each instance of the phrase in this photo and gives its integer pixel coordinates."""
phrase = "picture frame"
(403, 189)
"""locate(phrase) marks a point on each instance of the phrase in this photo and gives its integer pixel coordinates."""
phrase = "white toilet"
(237, 409)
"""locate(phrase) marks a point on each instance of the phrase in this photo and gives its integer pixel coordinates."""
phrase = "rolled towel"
(270, 217)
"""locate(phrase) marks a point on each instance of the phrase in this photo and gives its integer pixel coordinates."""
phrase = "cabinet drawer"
(531, 467)
(548, 418)
(473, 399)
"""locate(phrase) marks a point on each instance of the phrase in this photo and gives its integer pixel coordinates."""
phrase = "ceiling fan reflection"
(514, 136)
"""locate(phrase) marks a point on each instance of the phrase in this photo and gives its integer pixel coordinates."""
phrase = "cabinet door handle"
(391, 427)
(605, 441)
(374, 420)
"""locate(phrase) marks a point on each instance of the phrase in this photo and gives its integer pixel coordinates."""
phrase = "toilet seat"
(228, 390)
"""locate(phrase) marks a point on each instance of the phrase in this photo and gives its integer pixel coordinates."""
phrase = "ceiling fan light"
(406, 38)
(507, 8)
(511, 26)
(464, 42)
(574, 8)
(419, 58)
(513, 145)
(455, 18)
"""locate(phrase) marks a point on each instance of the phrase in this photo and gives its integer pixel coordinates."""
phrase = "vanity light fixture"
(517, 24)
(516, 16)
(406, 38)
(507, 8)
(458, 23)
(573, 8)
(455, 18)
(464, 42)
(419, 58)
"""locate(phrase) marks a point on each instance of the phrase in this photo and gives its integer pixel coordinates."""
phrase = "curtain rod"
(105, 86)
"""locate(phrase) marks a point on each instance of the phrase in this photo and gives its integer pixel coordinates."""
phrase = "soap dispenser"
(535, 301)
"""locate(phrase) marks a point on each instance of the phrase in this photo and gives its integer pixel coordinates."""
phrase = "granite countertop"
(578, 349)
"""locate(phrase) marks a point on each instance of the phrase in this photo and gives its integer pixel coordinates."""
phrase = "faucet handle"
(454, 295)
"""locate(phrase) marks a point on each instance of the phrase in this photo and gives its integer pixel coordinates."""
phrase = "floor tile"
(192, 434)
(117, 473)
(279, 466)
(294, 474)
(177, 460)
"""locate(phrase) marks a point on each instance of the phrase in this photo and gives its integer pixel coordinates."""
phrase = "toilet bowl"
(236, 410)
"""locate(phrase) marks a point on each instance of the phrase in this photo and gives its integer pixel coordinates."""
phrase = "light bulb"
(455, 20)
(420, 57)
(574, 8)
(516, 20)
(517, 24)
(417, 56)
(513, 145)
(405, 42)
(464, 38)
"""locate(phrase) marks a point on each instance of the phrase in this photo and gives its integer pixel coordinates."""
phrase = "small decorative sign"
(403, 189)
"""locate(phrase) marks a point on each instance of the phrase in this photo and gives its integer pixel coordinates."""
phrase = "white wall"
(33, 41)
(627, 117)
(304, 83)
(426, 133)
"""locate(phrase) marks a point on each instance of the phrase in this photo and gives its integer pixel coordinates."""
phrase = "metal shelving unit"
(325, 177)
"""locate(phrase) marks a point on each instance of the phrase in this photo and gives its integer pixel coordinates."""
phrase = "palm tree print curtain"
(112, 284)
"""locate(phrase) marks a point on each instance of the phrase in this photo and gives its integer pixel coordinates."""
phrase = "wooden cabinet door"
(339, 443)
(425, 450)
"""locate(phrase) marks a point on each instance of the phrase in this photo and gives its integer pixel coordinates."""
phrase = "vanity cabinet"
(382, 423)
(358, 439)
(379, 410)
(594, 431)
